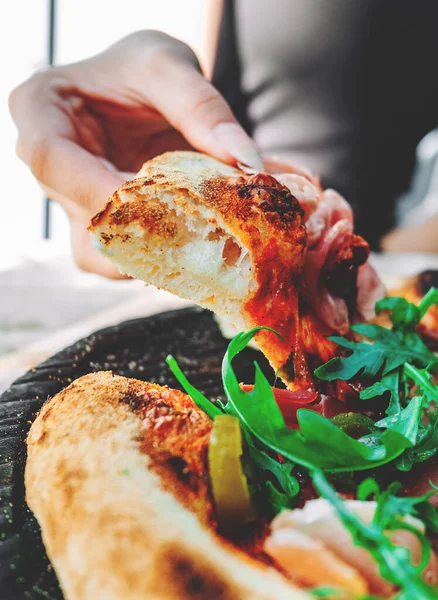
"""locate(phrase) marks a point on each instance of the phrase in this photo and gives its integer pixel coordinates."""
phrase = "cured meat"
(370, 289)
(317, 530)
(335, 256)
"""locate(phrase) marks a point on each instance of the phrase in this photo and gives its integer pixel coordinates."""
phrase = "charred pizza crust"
(116, 476)
(210, 233)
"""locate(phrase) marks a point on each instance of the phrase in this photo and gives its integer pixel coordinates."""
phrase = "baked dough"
(230, 242)
(115, 478)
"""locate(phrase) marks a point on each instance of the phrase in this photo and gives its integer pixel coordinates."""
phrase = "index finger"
(73, 172)
(47, 144)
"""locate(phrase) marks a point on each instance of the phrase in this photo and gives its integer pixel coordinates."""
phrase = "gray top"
(345, 87)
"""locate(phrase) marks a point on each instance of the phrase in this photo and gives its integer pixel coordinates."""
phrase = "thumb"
(195, 108)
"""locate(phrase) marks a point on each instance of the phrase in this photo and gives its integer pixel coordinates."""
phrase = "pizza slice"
(117, 477)
(256, 249)
(141, 495)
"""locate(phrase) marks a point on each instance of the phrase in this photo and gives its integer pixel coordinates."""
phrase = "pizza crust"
(110, 528)
(230, 242)
(157, 228)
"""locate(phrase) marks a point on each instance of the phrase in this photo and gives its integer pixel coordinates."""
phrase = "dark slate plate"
(135, 348)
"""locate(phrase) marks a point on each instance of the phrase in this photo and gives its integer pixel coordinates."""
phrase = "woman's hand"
(87, 127)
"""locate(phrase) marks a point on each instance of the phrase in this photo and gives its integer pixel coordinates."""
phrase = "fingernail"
(235, 141)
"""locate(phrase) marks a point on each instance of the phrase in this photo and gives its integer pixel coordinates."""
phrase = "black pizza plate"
(136, 348)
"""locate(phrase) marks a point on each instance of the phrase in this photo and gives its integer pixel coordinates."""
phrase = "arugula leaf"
(326, 592)
(389, 383)
(394, 561)
(389, 351)
(276, 497)
(278, 500)
(427, 301)
(423, 379)
(336, 594)
(392, 355)
(426, 443)
(391, 348)
(425, 448)
(199, 399)
(319, 443)
(426, 511)
(406, 421)
(391, 506)
(403, 315)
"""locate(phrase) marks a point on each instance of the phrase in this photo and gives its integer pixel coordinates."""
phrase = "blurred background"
(46, 302)
(25, 47)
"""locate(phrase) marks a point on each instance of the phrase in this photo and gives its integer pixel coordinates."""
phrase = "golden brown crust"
(256, 210)
(110, 524)
(175, 437)
(247, 197)
(255, 207)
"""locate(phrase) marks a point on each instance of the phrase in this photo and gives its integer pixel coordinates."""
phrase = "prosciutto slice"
(370, 289)
(341, 283)
(302, 537)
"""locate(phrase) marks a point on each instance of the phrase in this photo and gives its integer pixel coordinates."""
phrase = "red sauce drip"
(275, 305)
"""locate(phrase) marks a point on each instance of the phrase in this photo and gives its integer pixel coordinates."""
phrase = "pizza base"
(159, 230)
(230, 242)
(110, 528)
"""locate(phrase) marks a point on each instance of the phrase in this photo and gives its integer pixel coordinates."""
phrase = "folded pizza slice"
(117, 476)
(230, 242)
(237, 244)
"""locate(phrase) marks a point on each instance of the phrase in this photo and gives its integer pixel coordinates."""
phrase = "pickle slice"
(228, 481)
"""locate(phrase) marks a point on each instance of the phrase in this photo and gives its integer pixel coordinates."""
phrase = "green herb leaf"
(389, 383)
(423, 379)
(327, 592)
(406, 421)
(425, 448)
(389, 351)
(391, 348)
(278, 500)
(394, 561)
(199, 399)
(428, 514)
(366, 358)
(319, 443)
(277, 497)
(403, 315)
(427, 301)
(274, 497)
(392, 507)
